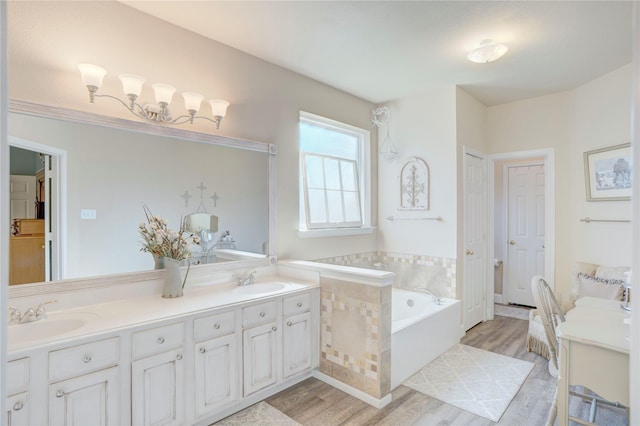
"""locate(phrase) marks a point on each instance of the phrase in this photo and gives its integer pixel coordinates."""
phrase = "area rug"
(475, 380)
(260, 414)
(511, 311)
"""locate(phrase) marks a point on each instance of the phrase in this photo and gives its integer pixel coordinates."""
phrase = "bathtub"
(421, 331)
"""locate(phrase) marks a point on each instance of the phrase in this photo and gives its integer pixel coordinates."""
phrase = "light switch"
(86, 214)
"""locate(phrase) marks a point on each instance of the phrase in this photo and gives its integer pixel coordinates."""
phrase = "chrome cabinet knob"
(289, 323)
(299, 304)
(60, 393)
(262, 314)
(179, 357)
(217, 326)
(18, 406)
(86, 359)
(160, 340)
(469, 252)
(512, 242)
(274, 328)
(202, 350)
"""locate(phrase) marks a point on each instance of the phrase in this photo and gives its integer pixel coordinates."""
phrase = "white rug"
(475, 380)
(260, 414)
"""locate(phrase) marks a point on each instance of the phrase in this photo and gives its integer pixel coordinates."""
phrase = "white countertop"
(126, 313)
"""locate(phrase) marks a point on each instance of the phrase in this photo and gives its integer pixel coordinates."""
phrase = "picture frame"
(608, 173)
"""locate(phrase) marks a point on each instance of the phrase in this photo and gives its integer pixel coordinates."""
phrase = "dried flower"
(161, 241)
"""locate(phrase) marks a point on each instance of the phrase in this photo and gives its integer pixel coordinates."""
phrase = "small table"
(593, 352)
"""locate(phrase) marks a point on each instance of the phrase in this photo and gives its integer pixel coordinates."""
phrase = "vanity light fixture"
(93, 75)
(488, 51)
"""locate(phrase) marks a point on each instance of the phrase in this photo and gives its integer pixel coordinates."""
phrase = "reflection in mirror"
(106, 175)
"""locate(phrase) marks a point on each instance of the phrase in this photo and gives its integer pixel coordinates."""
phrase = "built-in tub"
(421, 330)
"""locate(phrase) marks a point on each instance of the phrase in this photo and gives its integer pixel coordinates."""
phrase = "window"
(334, 177)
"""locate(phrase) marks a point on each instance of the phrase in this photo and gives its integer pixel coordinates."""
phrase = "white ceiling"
(387, 50)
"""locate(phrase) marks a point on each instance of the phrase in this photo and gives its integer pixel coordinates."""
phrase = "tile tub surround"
(355, 335)
(436, 273)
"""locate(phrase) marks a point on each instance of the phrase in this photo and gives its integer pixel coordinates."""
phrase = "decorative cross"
(215, 199)
(201, 187)
(186, 197)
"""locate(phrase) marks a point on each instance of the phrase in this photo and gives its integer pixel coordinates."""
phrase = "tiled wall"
(355, 335)
(436, 273)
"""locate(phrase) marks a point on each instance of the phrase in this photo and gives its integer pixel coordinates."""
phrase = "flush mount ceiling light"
(92, 76)
(488, 51)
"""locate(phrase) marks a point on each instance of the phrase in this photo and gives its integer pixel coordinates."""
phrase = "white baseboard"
(497, 298)
(375, 402)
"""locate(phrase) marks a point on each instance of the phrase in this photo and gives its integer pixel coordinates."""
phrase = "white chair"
(551, 315)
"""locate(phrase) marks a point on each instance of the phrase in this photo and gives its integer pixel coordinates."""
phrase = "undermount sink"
(55, 325)
(258, 288)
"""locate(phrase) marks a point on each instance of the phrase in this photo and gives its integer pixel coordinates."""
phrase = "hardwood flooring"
(314, 403)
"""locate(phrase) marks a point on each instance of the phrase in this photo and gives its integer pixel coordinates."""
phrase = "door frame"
(59, 204)
(548, 158)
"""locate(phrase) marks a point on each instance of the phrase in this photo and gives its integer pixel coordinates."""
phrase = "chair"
(551, 316)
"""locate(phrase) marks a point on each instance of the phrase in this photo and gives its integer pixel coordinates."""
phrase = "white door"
(260, 363)
(216, 373)
(296, 341)
(475, 258)
(22, 196)
(91, 399)
(157, 390)
(525, 230)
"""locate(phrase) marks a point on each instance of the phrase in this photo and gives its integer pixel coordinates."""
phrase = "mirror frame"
(201, 271)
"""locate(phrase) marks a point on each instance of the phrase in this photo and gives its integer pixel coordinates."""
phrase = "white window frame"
(364, 179)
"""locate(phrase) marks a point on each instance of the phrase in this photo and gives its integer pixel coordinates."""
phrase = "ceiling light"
(92, 76)
(488, 51)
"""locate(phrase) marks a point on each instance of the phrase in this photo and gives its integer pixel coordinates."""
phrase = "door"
(22, 196)
(260, 363)
(525, 230)
(216, 373)
(91, 399)
(157, 389)
(475, 258)
(296, 341)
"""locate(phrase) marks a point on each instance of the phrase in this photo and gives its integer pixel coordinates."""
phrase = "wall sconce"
(378, 116)
(92, 76)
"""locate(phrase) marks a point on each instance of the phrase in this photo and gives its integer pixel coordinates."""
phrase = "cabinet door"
(296, 343)
(260, 352)
(91, 399)
(17, 410)
(157, 389)
(216, 373)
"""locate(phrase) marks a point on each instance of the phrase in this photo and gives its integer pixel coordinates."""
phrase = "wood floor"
(313, 402)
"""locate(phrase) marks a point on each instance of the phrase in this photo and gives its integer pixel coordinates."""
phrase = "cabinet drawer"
(157, 340)
(259, 314)
(214, 326)
(17, 376)
(297, 304)
(82, 359)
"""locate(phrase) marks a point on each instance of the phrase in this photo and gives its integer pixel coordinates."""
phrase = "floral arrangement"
(161, 241)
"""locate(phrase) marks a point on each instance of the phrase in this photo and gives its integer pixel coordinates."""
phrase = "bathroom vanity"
(148, 360)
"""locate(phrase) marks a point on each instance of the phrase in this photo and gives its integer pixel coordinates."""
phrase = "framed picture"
(608, 173)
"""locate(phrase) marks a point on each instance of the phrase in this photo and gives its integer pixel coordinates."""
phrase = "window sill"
(335, 232)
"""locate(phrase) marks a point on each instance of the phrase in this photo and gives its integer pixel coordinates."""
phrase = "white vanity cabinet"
(83, 384)
(296, 334)
(158, 376)
(260, 337)
(17, 388)
(215, 362)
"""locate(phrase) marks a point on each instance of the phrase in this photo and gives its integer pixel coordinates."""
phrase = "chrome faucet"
(249, 279)
(30, 315)
(436, 298)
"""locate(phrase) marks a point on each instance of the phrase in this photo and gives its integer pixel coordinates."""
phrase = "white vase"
(172, 283)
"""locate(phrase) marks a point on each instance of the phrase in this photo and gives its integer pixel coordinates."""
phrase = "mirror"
(109, 169)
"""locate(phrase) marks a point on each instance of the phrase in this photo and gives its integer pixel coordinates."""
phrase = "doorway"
(36, 198)
(522, 209)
